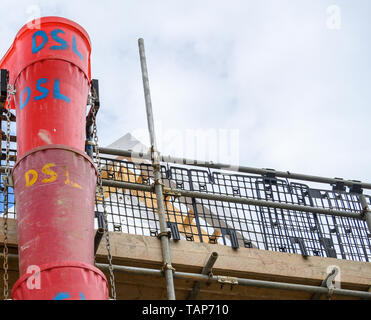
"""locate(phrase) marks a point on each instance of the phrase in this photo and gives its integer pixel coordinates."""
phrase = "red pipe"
(54, 181)
(50, 69)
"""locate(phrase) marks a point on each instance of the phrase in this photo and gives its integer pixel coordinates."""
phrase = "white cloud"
(296, 90)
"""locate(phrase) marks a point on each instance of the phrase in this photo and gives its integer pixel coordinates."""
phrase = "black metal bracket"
(213, 239)
(189, 237)
(100, 231)
(168, 174)
(97, 239)
(270, 176)
(339, 185)
(153, 233)
(117, 228)
(314, 193)
(174, 230)
(4, 79)
(211, 177)
(356, 187)
(249, 244)
(300, 242)
(100, 218)
(328, 244)
(232, 235)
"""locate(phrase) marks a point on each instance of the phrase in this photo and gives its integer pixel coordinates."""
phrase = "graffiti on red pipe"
(67, 296)
(60, 44)
(63, 44)
(25, 94)
(31, 176)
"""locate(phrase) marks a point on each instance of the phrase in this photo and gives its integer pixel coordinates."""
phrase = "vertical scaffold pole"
(366, 211)
(155, 157)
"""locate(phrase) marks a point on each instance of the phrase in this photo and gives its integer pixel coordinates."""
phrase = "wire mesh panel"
(233, 224)
(11, 200)
(12, 159)
(238, 225)
(129, 211)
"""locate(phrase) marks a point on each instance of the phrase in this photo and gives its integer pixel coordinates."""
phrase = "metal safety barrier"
(235, 223)
(213, 206)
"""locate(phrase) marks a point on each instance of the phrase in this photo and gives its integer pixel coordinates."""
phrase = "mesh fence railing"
(233, 224)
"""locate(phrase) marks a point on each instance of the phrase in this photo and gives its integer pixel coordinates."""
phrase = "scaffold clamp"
(227, 280)
(170, 192)
(166, 233)
(364, 212)
(167, 266)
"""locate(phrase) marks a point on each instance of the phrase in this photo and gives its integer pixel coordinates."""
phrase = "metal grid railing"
(237, 225)
(233, 224)
(11, 200)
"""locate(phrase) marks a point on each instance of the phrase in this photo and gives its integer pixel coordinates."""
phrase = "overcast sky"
(284, 83)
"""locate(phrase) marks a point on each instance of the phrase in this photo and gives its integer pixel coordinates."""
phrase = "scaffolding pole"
(236, 168)
(207, 270)
(228, 167)
(164, 232)
(225, 280)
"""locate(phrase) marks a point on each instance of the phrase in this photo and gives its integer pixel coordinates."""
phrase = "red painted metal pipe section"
(50, 69)
(55, 190)
(54, 180)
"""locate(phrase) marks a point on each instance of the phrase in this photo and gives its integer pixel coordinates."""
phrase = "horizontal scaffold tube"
(244, 169)
(236, 281)
(239, 281)
(224, 198)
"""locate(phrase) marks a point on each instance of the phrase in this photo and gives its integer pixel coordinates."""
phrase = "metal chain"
(100, 194)
(6, 180)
